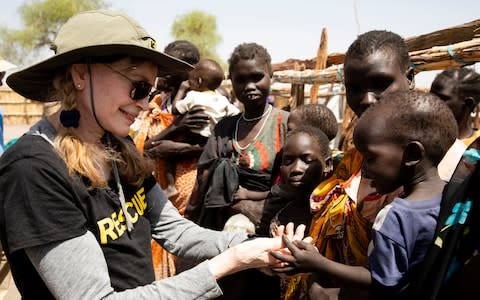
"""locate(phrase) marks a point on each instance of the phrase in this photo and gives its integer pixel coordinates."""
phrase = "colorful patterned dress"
(257, 157)
(153, 122)
(341, 225)
(255, 163)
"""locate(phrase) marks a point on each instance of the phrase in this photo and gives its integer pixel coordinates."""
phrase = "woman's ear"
(79, 75)
(410, 74)
(413, 153)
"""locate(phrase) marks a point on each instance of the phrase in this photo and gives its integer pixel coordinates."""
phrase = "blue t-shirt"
(401, 235)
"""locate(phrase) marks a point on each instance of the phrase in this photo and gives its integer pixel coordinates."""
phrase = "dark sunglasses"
(140, 89)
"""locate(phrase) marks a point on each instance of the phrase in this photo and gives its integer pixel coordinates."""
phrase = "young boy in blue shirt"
(402, 139)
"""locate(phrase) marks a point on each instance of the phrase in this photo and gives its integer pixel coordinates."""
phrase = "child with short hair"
(306, 156)
(345, 205)
(241, 151)
(202, 82)
(315, 115)
(402, 138)
(168, 85)
(460, 89)
(322, 117)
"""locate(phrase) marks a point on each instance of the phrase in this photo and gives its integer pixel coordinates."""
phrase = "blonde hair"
(86, 159)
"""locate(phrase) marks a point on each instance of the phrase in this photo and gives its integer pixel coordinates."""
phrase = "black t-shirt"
(40, 204)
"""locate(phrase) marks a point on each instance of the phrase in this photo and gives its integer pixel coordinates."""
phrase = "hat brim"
(35, 82)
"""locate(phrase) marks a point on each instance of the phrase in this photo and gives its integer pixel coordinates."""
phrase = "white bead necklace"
(258, 133)
(258, 118)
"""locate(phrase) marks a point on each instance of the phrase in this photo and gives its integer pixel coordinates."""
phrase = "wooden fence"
(18, 110)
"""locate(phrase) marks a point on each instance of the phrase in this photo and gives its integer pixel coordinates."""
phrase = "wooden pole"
(451, 35)
(297, 91)
(321, 63)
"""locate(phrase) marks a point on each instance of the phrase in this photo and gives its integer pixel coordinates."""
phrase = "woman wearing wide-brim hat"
(77, 208)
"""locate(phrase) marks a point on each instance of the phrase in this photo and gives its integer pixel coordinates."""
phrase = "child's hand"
(254, 253)
(294, 235)
(184, 86)
(300, 259)
(240, 194)
(291, 234)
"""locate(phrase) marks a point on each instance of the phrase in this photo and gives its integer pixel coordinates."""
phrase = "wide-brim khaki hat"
(92, 34)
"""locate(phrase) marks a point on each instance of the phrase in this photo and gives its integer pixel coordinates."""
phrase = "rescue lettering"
(114, 226)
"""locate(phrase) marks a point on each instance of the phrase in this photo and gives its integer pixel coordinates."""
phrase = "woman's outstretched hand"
(255, 253)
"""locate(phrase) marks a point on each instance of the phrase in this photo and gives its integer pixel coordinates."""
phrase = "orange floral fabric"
(472, 138)
(153, 122)
(338, 230)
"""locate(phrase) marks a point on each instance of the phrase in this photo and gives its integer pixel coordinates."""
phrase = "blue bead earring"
(70, 118)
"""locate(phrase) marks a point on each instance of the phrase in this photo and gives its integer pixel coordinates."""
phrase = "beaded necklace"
(267, 113)
(257, 118)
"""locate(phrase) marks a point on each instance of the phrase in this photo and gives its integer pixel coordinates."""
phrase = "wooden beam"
(435, 58)
(451, 35)
(321, 63)
(444, 57)
(332, 59)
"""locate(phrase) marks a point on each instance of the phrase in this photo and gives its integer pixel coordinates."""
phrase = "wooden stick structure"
(321, 63)
(456, 46)
(444, 57)
(435, 58)
(453, 47)
(452, 35)
(333, 74)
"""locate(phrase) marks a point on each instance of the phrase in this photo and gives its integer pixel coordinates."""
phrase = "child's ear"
(410, 74)
(470, 103)
(413, 153)
(328, 167)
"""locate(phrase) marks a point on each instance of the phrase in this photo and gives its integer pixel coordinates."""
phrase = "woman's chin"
(121, 131)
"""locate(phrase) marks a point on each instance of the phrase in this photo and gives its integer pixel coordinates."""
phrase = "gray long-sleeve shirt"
(76, 268)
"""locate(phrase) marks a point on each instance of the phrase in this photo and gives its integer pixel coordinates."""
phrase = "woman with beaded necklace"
(237, 160)
(245, 144)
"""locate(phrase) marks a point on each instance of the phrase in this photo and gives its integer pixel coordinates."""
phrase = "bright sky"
(291, 29)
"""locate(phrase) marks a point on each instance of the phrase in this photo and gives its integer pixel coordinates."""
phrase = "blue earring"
(70, 118)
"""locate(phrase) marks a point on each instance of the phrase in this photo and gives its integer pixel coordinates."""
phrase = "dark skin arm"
(166, 148)
(306, 258)
(244, 194)
(196, 118)
(163, 144)
(181, 93)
